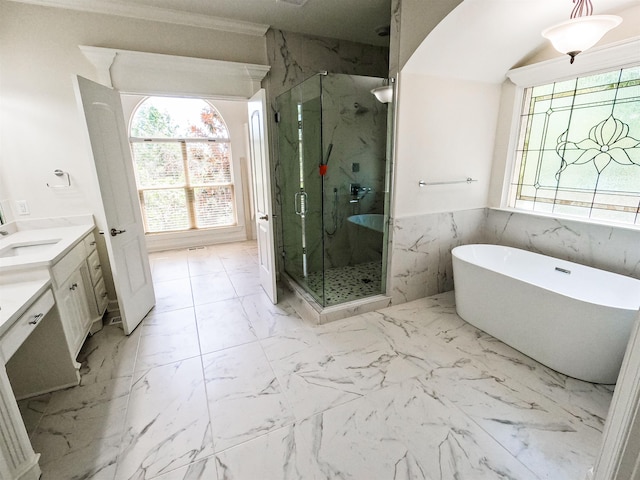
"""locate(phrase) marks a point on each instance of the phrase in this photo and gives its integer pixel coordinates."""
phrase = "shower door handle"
(300, 199)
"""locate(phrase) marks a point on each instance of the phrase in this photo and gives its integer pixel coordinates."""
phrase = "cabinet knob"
(97, 267)
(73, 286)
(93, 243)
(36, 319)
(104, 294)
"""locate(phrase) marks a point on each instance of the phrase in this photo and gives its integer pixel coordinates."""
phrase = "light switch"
(22, 207)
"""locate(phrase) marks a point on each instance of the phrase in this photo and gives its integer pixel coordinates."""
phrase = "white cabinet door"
(259, 150)
(74, 310)
(124, 233)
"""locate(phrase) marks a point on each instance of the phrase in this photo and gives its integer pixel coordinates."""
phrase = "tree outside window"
(182, 159)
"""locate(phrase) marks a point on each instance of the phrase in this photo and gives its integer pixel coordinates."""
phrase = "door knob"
(115, 232)
(264, 217)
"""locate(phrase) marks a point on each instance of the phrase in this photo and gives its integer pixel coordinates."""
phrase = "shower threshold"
(310, 310)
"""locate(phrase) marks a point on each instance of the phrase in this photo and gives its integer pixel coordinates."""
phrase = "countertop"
(68, 237)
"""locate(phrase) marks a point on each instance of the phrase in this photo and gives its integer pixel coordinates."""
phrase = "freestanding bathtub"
(572, 318)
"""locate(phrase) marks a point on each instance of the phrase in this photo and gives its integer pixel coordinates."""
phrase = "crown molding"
(159, 74)
(601, 58)
(155, 14)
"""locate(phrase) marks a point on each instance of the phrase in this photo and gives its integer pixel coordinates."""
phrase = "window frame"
(598, 60)
(188, 187)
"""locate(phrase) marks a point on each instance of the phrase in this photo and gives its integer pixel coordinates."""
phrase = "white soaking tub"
(572, 318)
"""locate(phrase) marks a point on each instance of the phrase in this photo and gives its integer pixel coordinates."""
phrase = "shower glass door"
(300, 144)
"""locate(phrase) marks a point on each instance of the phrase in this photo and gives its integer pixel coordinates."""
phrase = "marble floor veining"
(217, 383)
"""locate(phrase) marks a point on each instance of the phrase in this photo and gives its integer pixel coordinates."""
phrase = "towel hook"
(60, 173)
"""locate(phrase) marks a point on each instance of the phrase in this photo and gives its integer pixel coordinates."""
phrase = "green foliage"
(150, 122)
(159, 165)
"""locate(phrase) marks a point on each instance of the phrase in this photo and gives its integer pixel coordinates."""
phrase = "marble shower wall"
(355, 123)
(421, 252)
(294, 58)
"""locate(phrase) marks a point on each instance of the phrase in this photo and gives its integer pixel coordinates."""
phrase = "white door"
(259, 151)
(123, 234)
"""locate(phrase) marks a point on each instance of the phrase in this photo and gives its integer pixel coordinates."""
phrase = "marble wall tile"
(355, 123)
(421, 251)
(294, 58)
(606, 247)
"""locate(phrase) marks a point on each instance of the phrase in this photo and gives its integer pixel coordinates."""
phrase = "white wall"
(445, 132)
(449, 129)
(40, 129)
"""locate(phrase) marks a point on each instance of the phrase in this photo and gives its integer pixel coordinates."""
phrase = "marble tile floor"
(218, 383)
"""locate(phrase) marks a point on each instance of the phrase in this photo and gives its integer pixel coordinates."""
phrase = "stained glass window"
(578, 148)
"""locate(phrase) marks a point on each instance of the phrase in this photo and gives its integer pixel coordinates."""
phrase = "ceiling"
(497, 35)
(354, 20)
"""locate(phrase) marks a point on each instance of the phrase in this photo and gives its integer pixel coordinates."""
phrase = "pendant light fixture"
(582, 31)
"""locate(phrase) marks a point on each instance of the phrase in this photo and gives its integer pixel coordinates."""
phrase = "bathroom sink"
(27, 248)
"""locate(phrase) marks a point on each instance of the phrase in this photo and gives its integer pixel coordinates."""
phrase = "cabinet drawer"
(19, 331)
(94, 267)
(101, 296)
(89, 243)
(68, 264)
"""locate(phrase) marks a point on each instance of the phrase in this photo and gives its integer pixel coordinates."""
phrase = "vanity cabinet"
(74, 291)
(74, 309)
(94, 281)
(34, 359)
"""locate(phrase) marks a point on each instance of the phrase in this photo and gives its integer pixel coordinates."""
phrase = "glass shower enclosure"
(333, 186)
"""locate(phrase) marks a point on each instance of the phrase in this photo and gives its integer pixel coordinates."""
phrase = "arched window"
(182, 159)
